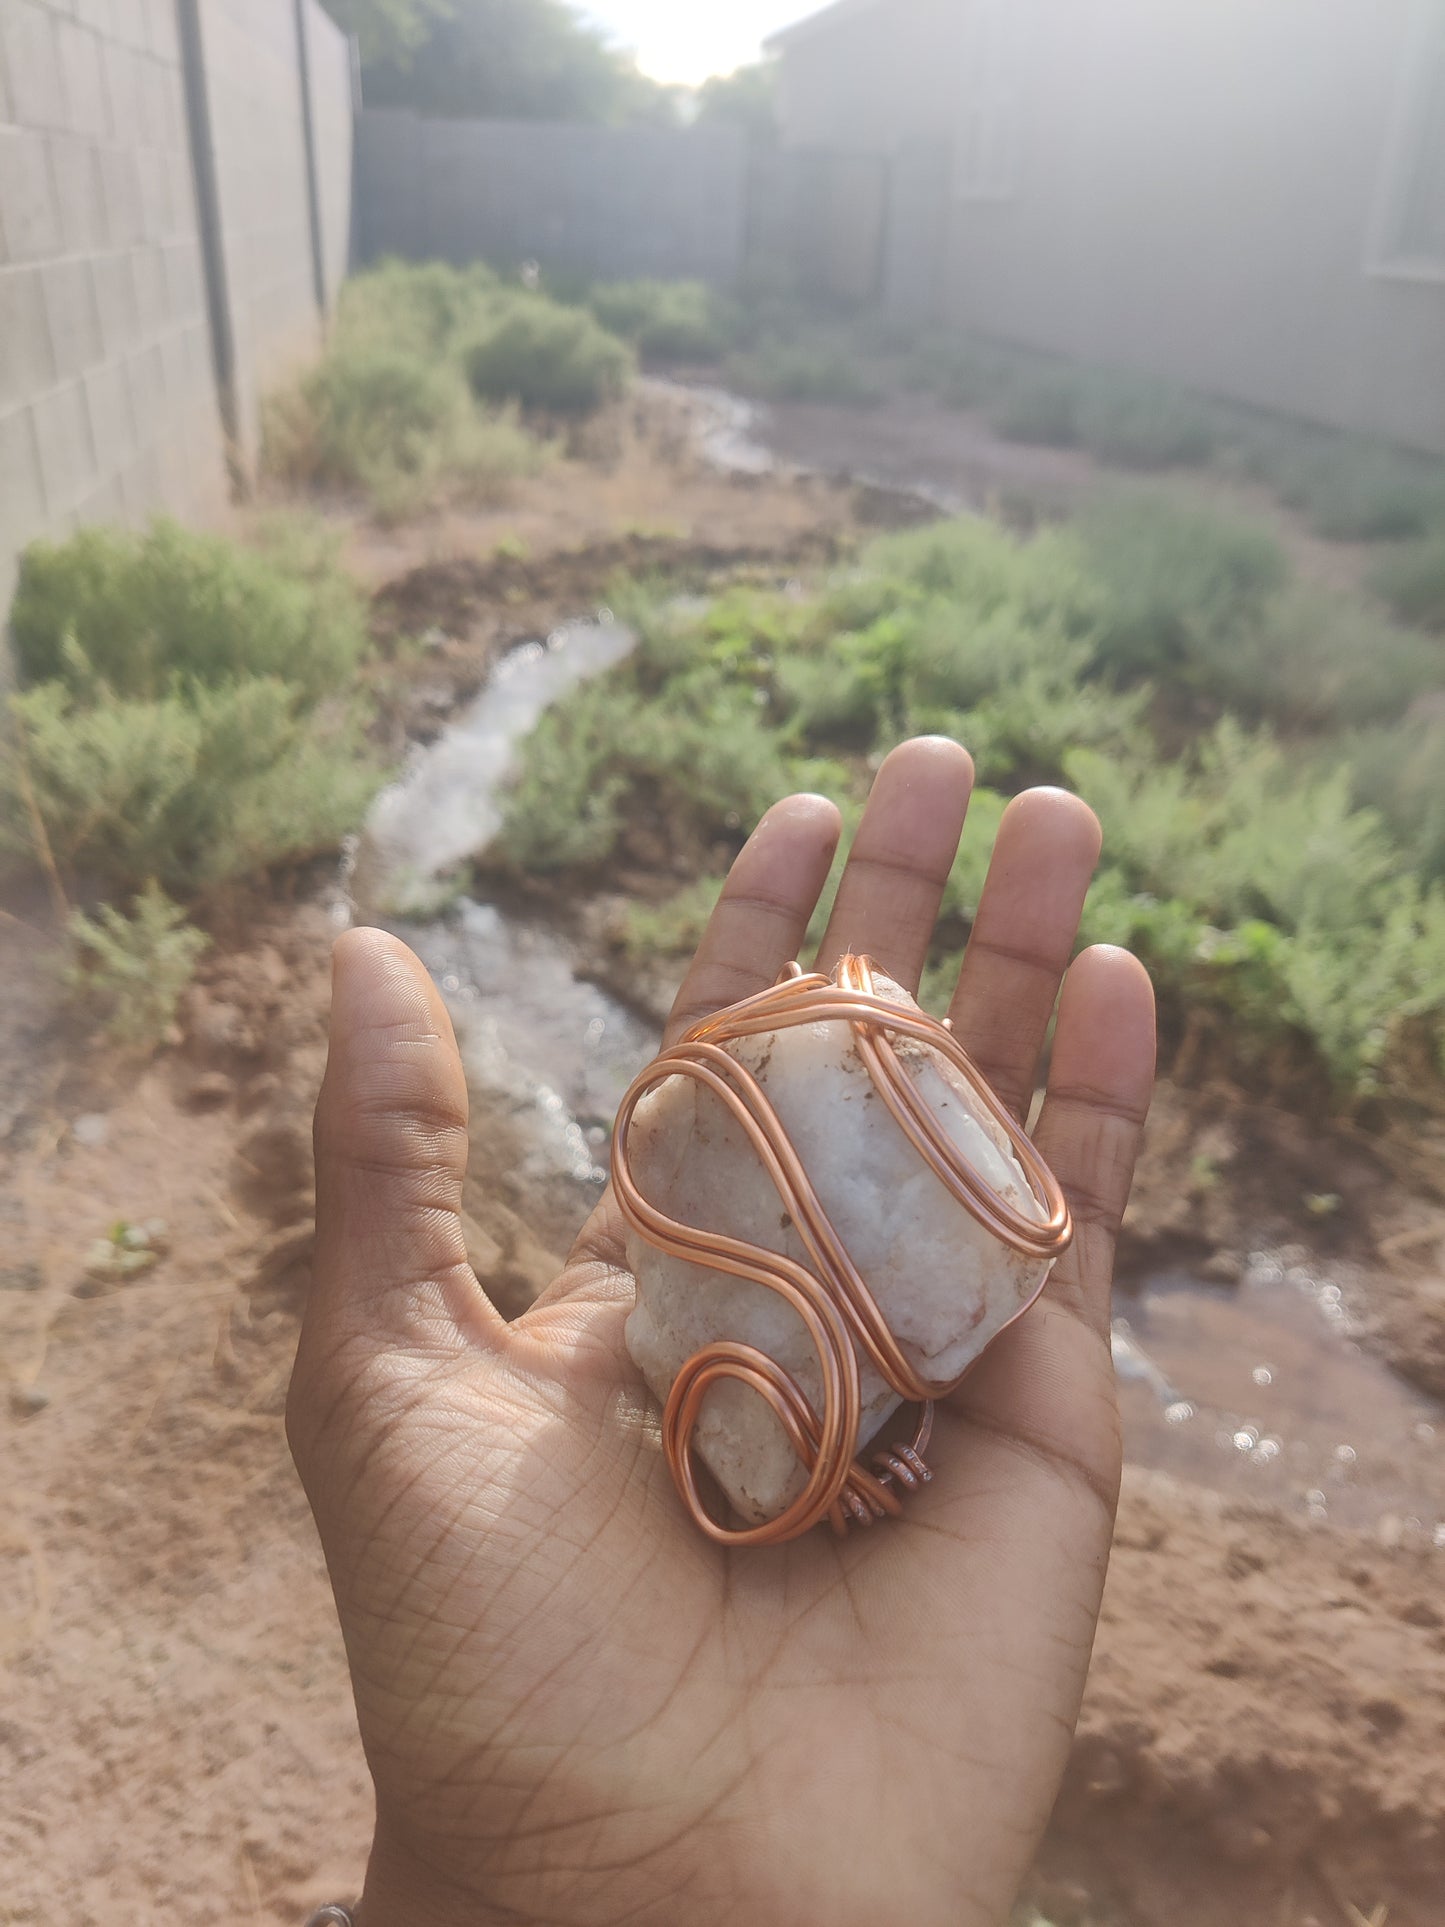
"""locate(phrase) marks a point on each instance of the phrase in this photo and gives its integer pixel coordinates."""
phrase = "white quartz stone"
(945, 1285)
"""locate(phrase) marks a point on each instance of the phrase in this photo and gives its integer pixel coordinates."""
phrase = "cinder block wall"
(258, 130)
(109, 403)
(333, 109)
(107, 397)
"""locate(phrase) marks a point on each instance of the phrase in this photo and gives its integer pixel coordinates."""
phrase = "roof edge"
(814, 23)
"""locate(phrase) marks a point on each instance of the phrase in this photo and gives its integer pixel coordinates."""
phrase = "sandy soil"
(1264, 1736)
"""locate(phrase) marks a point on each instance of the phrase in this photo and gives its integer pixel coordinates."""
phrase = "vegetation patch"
(666, 321)
(389, 411)
(812, 368)
(128, 972)
(1412, 582)
(1286, 899)
(187, 716)
(535, 351)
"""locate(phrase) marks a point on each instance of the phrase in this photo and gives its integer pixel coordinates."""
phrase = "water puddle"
(730, 434)
(1263, 1392)
(448, 805)
(544, 1048)
(727, 430)
(545, 1051)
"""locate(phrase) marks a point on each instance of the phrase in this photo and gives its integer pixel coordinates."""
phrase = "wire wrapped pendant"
(730, 1118)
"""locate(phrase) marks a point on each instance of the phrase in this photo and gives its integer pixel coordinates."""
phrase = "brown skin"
(576, 1709)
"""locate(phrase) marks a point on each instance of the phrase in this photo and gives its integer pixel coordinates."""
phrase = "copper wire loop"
(829, 1294)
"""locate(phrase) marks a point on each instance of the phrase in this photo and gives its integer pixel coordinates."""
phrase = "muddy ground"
(1264, 1735)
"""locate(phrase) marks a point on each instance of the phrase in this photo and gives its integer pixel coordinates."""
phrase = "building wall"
(1189, 190)
(109, 409)
(107, 400)
(872, 78)
(258, 132)
(333, 107)
(620, 201)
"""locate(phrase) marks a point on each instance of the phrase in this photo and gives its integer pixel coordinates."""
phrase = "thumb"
(391, 1155)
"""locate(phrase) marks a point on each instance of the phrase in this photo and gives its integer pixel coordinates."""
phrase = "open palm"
(578, 1710)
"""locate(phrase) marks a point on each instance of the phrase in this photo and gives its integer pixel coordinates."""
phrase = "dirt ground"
(1264, 1735)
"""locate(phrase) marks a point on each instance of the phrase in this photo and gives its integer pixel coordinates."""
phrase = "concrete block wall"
(258, 132)
(333, 108)
(110, 408)
(107, 397)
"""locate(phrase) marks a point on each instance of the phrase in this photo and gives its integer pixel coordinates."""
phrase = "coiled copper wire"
(828, 1294)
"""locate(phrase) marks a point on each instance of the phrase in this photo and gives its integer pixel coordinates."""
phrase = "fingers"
(1100, 1084)
(391, 1154)
(762, 916)
(1023, 936)
(901, 857)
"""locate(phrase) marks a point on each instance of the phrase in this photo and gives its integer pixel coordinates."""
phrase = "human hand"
(578, 1710)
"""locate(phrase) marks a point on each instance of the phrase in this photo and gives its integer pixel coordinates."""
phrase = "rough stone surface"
(946, 1286)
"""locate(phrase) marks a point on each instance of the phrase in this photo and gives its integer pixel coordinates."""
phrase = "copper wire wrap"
(828, 1294)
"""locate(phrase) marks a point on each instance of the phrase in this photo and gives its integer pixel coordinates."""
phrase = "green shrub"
(136, 612)
(424, 308)
(535, 351)
(564, 811)
(1140, 424)
(1041, 406)
(1175, 581)
(1354, 491)
(129, 972)
(1313, 660)
(188, 718)
(194, 789)
(1412, 582)
(1396, 771)
(814, 369)
(961, 372)
(399, 426)
(387, 410)
(1250, 884)
(666, 321)
(674, 928)
(1281, 889)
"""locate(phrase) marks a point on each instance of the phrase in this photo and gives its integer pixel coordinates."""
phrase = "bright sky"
(686, 40)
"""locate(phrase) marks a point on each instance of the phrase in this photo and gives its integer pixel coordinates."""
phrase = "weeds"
(1041, 408)
(401, 429)
(674, 928)
(187, 717)
(135, 614)
(388, 410)
(535, 351)
(129, 972)
(1351, 490)
(1146, 425)
(666, 321)
(961, 372)
(1412, 582)
(1178, 584)
(814, 369)
(1281, 887)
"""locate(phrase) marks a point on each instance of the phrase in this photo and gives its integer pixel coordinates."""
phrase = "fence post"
(313, 171)
(213, 251)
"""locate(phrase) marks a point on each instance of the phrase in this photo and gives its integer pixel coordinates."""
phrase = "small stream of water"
(1259, 1391)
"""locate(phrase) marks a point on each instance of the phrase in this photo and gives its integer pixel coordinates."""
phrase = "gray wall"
(108, 396)
(107, 402)
(620, 201)
(1190, 190)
